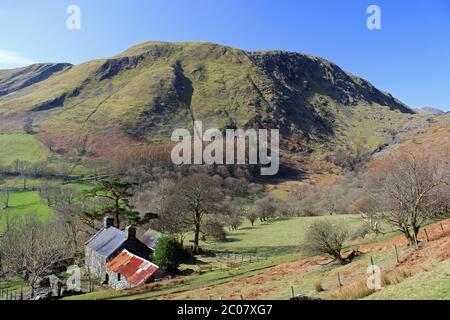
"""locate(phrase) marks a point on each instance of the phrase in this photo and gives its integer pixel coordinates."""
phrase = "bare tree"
(154, 197)
(192, 199)
(232, 214)
(47, 191)
(370, 214)
(410, 191)
(69, 203)
(251, 216)
(5, 198)
(267, 208)
(32, 249)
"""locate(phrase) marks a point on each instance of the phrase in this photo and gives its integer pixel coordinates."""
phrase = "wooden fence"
(21, 294)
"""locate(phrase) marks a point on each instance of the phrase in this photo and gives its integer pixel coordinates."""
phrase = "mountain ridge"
(145, 92)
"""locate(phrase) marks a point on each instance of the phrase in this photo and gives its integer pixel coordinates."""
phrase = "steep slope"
(147, 91)
(18, 79)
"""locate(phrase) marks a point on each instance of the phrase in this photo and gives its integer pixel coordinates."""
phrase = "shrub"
(324, 237)
(356, 291)
(214, 229)
(318, 286)
(168, 254)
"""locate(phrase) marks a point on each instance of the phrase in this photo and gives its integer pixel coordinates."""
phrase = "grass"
(24, 203)
(279, 241)
(271, 239)
(274, 277)
(14, 284)
(433, 284)
(190, 282)
(21, 146)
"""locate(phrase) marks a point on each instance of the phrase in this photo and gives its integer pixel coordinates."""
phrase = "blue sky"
(409, 56)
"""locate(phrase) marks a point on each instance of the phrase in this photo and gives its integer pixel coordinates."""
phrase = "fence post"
(396, 254)
(339, 281)
(242, 297)
(292, 292)
(426, 234)
(373, 268)
(442, 227)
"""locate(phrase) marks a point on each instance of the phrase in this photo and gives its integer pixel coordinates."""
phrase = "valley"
(81, 143)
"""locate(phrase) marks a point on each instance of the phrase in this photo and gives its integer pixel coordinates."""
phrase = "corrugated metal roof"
(106, 241)
(135, 269)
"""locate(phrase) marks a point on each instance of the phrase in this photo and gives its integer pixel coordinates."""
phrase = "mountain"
(428, 111)
(143, 94)
(18, 79)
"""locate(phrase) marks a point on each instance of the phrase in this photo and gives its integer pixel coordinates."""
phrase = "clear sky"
(409, 56)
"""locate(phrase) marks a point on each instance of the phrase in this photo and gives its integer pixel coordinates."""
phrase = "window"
(118, 277)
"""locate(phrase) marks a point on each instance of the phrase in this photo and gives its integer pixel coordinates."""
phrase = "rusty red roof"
(135, 269)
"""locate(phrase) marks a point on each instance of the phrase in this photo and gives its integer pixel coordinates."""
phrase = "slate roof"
(151, 238)
(106, 241)
(135, 269)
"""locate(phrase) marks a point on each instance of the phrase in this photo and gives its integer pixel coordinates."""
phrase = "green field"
(279, 241)
(21, 146)
(271, 239)
(24, 203)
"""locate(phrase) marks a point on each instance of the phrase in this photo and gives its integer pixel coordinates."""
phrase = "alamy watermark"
(374, 280)
(228, 149)
(73, 22)
(374, 20)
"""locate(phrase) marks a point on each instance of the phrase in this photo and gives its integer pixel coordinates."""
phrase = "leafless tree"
(192, 199)
(5, 198)
(233, 213)
(154, 197)
(69, 203)
(32, 249)
(267, 208)
(48, 191)
(214, 228)
(410, 190)
(251, 216)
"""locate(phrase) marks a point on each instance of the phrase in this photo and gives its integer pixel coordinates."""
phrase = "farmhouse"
(127, 270)
(109, 242)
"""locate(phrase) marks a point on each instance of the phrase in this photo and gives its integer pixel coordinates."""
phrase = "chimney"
(130, 232)
(108, 222)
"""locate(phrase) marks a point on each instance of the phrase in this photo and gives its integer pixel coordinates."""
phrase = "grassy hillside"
(21, 146)
(273, 278)
(24, 204)
(271, 239)
(144, 93)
